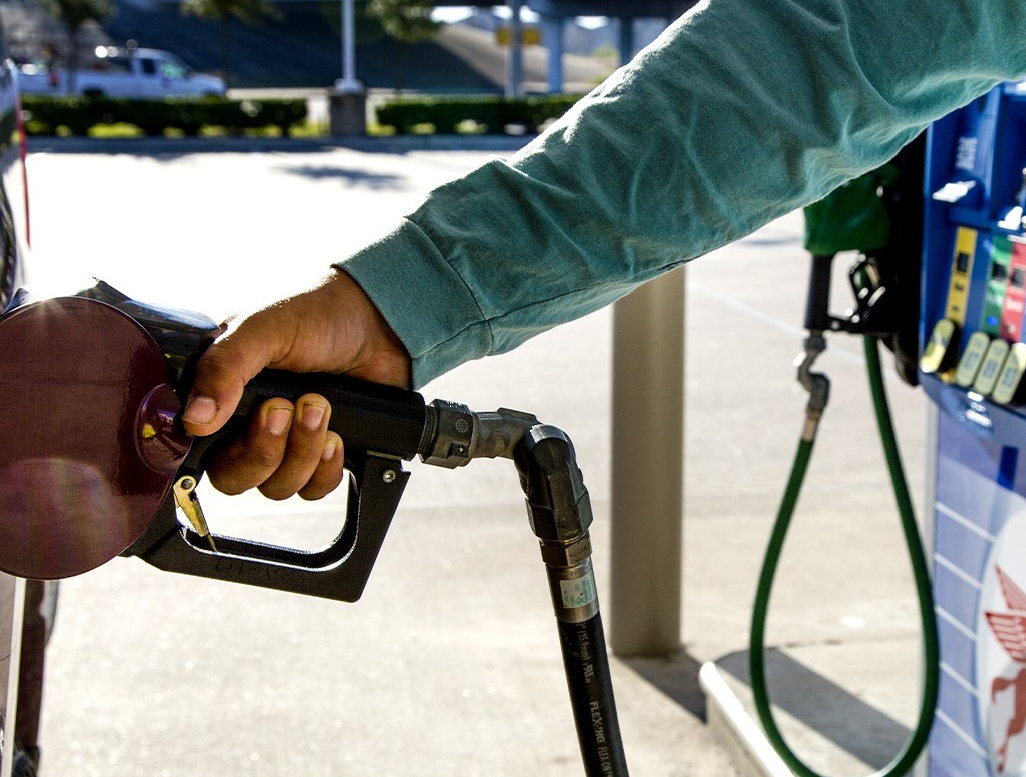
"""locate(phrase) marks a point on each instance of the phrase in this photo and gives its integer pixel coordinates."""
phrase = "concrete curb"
(735, 731)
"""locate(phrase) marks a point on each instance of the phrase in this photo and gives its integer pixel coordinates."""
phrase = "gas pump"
(972, 366)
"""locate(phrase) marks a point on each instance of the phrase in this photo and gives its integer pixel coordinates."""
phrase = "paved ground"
(449, 664)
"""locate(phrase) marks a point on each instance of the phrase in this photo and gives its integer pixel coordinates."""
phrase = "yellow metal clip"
(185, 497)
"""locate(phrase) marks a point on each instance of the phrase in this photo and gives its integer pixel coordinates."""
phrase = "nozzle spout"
(816, 383)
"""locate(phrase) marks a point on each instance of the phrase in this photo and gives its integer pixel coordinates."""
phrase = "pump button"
(972, 359)
(954, 192)
(990, 372)
(938, 354)
(1008, 389)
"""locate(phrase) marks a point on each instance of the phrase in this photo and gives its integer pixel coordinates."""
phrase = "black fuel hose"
(591, 697)
(559, 510)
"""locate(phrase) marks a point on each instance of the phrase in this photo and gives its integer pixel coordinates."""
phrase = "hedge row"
(483, 114)
(44, 115)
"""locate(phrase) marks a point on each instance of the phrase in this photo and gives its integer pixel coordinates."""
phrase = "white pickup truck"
(122, 72)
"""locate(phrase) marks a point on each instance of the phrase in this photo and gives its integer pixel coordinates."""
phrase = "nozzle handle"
(817, 303)
(381, 425)
(368, 416)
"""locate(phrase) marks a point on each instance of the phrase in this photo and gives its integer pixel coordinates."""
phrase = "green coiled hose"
(906, 759)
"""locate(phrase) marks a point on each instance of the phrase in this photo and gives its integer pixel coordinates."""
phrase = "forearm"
(741, 112)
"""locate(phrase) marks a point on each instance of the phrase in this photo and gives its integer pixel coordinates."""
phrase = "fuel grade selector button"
(972, 359)
(939, 354)
(991, 369)
(1009, 388)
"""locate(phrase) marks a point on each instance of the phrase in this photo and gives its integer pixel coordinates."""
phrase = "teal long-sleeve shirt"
(742, 111)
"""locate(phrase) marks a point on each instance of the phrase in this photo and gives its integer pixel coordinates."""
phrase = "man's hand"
(288, 448)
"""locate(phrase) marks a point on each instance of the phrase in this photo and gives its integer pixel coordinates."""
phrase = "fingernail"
(278, 420)
(329, 450)
(200, 410)
(312, 417)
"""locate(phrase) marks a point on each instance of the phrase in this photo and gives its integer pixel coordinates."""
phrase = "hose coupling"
(455, 434)
(557, 501)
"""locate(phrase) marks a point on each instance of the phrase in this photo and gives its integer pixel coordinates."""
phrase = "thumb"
(333, 327)
(222, 373)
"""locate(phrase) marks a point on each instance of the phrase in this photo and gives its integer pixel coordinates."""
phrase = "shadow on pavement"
(171, 149)
(676, 676)
(824, 707)
(351, 176)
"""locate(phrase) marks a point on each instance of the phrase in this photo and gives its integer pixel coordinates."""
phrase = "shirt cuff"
(441, 329)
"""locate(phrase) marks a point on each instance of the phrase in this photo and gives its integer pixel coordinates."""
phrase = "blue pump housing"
(975, 196)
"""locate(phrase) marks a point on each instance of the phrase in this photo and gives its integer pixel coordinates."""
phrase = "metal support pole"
(348, 82)
(626, 39)
(515, 64)
(648, 468)
(347, 102)
(552, 31)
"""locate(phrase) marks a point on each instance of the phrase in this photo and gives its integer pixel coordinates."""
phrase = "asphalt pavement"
(449, 664)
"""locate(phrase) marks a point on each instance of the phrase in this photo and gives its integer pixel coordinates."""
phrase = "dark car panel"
(13, 250)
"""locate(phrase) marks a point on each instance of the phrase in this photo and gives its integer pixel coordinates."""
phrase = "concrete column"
(626, 39)
(648, 469)
(347, 102)
(552, 36)
(348, 82)
(347, 113)
(515, 63)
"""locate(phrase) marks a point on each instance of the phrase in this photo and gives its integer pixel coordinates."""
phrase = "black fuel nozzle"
(382, 426)
(879, 216)
(817, 300)
(817, 321)
(874, 310)
(152, 466)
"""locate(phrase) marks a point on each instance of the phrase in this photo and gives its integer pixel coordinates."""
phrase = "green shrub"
(450, 115)
(45, 115)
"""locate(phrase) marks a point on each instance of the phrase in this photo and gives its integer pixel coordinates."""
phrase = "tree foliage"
(408, 21)
(405, 21)
(223, 11)
(72, 15)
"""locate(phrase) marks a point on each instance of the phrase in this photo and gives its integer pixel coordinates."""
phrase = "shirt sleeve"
(742, 111)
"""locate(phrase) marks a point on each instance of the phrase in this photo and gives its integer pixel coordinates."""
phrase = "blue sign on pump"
(969, 179)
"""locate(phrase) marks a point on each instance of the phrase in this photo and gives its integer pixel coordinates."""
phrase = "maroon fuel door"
(88, 444)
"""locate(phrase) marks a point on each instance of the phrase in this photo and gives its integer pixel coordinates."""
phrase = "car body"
(122, 72)
(17, 656)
